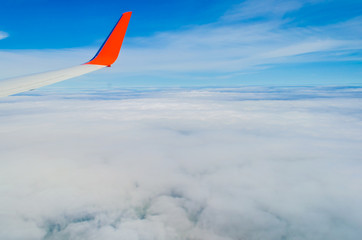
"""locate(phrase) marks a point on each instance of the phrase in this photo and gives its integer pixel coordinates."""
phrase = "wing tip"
(109, 51)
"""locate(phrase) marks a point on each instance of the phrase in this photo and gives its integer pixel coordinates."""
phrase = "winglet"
(109, 51)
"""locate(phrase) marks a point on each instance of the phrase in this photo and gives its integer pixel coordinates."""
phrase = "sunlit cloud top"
(173, 164)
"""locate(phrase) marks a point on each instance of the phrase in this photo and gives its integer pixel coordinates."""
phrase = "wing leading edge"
(105, 57)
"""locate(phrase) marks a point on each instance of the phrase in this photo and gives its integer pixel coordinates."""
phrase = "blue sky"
(40, 24)
(189, 43)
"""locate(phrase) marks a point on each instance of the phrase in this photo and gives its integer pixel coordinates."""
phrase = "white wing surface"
(17, 85)
(105, 57)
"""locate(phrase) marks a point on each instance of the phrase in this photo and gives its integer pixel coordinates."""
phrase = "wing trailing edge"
(105, 57)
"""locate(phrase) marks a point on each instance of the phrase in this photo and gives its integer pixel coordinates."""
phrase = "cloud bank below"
(237, 163)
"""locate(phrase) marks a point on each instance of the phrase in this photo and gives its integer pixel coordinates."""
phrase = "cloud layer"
(239, 163)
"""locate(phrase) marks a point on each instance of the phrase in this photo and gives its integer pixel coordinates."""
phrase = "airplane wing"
(105, 57)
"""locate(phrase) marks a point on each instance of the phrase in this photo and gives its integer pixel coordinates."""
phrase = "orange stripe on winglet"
(109, 51)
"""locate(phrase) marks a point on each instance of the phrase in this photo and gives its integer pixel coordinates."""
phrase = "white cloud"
(248, 163)
(305, 48)
(3, 35)
(262, 8)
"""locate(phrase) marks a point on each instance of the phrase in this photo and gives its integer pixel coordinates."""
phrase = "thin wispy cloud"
(237, 46)
(3, 35)
(253, 9)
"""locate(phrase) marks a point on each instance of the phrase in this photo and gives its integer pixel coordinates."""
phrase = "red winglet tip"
(109, 51)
